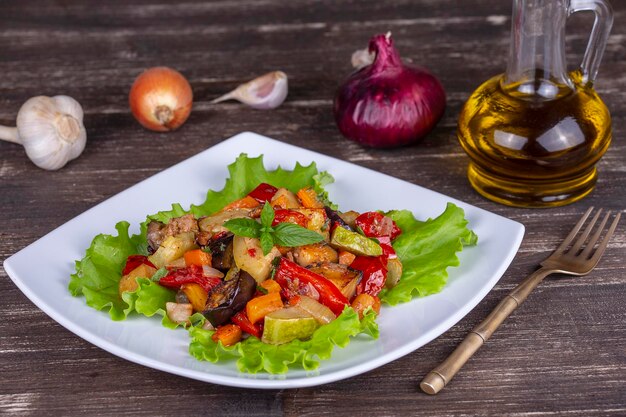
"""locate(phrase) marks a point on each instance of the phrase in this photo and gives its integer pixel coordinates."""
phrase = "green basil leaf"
(244, 227)
(290, 235)
(267, 215)
(267, 242)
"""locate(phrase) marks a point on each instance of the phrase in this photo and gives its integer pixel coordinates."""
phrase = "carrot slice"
(228, 334)
(197, 257)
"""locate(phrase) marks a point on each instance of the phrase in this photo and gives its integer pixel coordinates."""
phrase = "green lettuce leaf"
(254, 356)
(245, 174)
(98, 274)
(426, 249)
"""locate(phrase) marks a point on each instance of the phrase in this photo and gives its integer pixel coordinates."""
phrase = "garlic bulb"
(50, 129)
(265, 92)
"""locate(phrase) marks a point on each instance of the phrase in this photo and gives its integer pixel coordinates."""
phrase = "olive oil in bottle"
(535, 133)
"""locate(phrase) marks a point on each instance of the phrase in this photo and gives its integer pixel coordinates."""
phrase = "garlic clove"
(362, 58)
(265, 92)
(51, 130)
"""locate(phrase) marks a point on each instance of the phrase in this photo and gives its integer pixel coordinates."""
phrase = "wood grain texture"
(562, 353)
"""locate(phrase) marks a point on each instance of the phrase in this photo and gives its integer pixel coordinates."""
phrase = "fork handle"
(439, 377)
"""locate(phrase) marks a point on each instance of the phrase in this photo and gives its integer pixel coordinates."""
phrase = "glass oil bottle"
(535, 133)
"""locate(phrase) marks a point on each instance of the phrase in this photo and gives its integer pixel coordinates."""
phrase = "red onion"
(387, 103)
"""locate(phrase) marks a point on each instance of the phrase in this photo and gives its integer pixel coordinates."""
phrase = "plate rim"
(246, 380)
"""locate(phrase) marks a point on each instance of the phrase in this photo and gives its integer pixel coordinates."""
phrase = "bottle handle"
(599, 35)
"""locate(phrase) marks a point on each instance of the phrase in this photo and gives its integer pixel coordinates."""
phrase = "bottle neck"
(537, 67)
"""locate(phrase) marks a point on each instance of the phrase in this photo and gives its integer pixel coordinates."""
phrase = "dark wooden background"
(562, 353)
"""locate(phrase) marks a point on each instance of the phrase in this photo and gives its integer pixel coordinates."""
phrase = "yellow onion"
(161, 99)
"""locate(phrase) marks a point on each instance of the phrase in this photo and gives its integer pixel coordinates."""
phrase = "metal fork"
(573, 257)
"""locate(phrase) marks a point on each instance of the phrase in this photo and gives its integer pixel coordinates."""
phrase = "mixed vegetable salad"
(268, 270)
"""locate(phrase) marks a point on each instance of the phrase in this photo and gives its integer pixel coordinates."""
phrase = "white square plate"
(403, 328)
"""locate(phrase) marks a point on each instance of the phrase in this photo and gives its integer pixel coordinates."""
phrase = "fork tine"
(575, 230)
(602, 246)
(594, 239)
(578, 243)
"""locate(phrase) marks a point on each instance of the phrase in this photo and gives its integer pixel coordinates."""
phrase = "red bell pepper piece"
(289, 216)
(375, 224)
(241, 320)
(134, 261)
(388, 251)
(264, 192)
(374, 270)
(191, 274)
(330, 295)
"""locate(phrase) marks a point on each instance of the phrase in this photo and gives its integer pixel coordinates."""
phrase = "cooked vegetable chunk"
(316, 253)
(344, 239)
(287, 324)
(229, 297)
(173, 247)
(249, 257)
(344, 277)
(129, 281)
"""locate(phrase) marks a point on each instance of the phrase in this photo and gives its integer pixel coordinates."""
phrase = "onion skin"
(388, 104)
(161, 99)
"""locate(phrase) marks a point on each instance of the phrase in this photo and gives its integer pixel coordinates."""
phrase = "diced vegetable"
(316, 253)
(287, 324)
(228, 334)
(222, 251)
(344, 239)
(176, 263)
(319, 311)
(364, 301)
(317, 220)
(394, 272)
(345, 279)
(173, 247)
(249, 257)
(209, 271)
(196, 295)
(346, 258)
(270, 286)
(191, 274)
(264, 192)
(284, 199)
(289, 216)
(215, 224)
(133, 261)
(329, 294)
(259, 307)
(197, 257)
(375, 224)
(129, 281)
(246, 202)
(178, 313)
(349, 217)
(374, 273)
(241, 320)
(336, 220)
(229, 297)
(308, 198)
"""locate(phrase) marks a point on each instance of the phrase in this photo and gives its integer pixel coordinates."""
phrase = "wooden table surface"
(562, 353)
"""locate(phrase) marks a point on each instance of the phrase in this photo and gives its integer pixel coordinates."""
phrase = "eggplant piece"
(222, 252)
(336, 219)
(229, 297)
